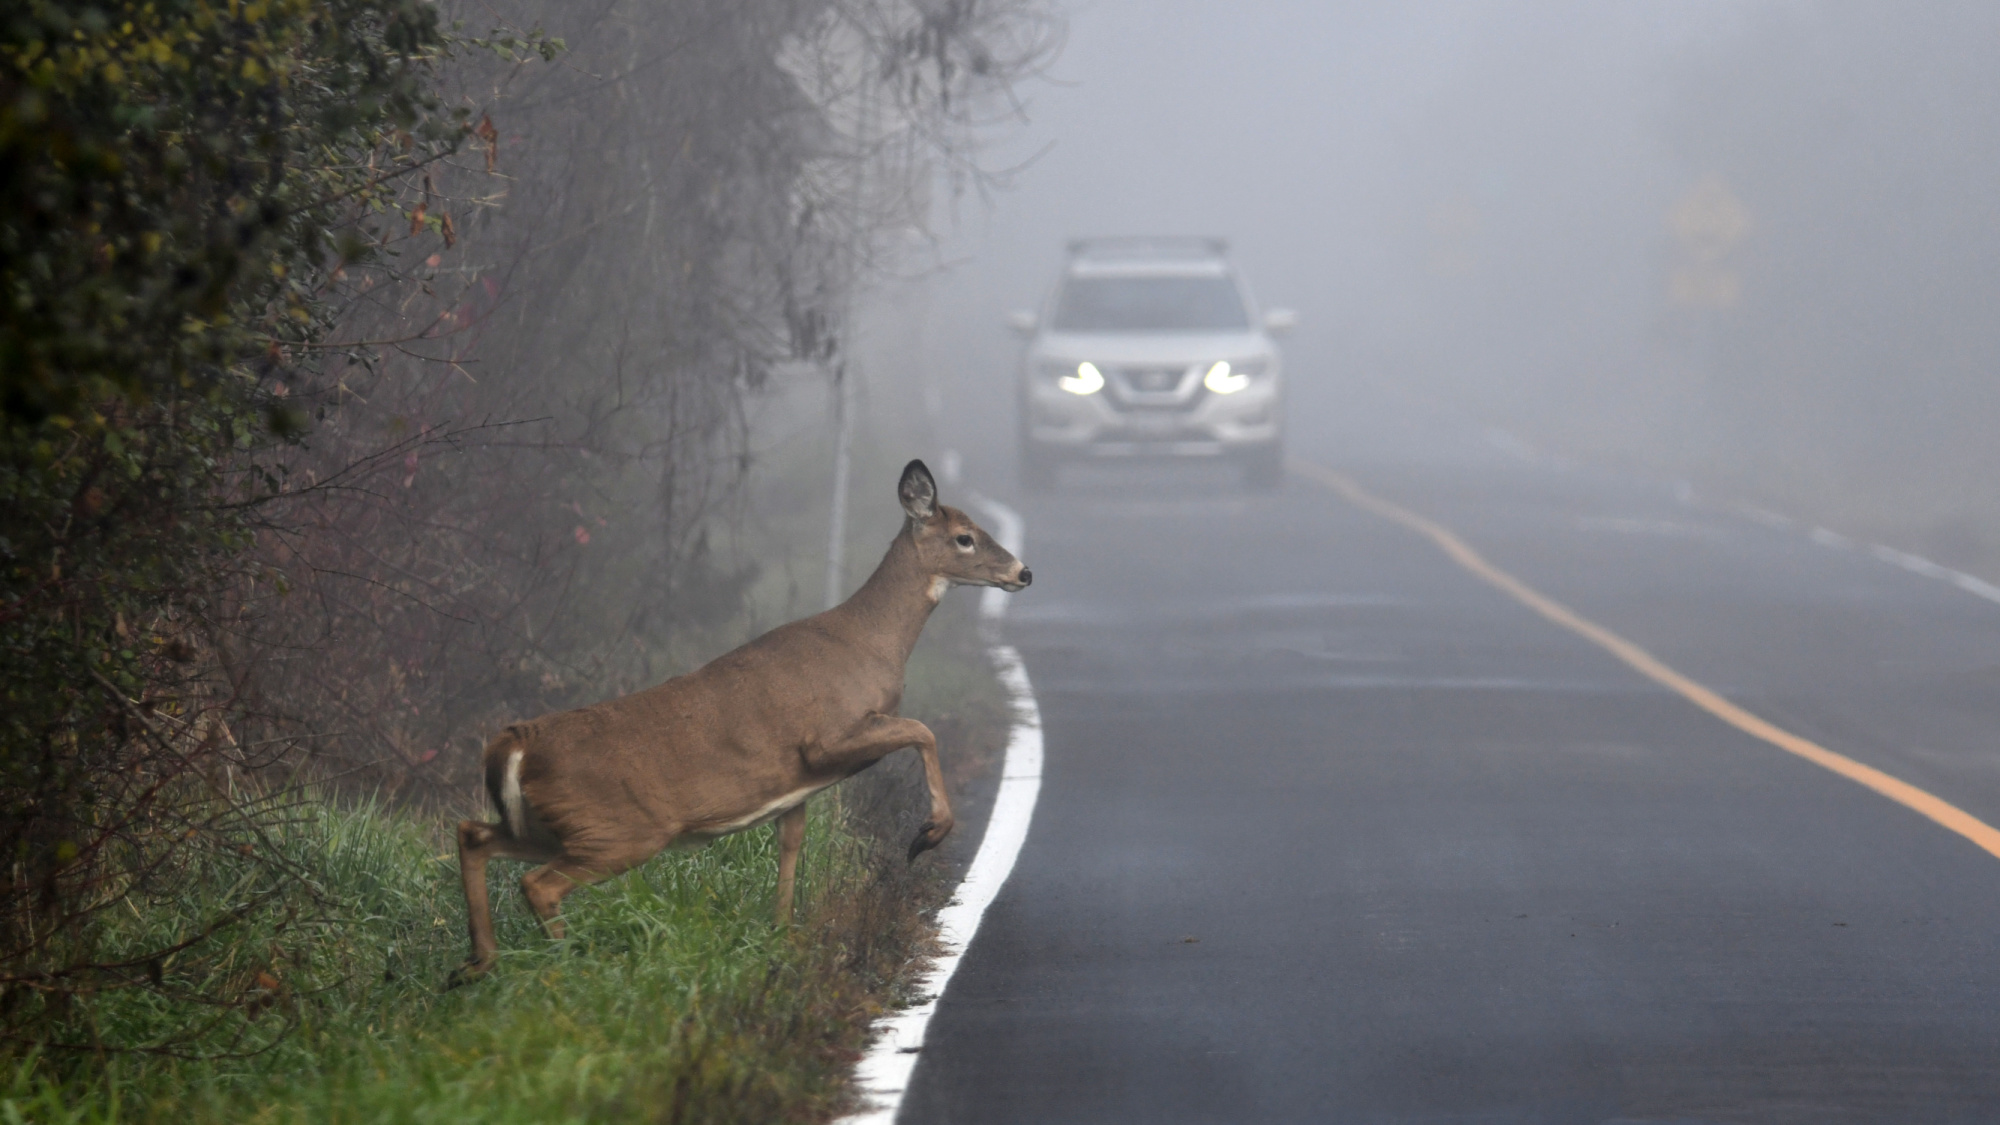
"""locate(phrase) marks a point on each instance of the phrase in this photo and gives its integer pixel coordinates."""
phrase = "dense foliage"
(179, 184)
(166, 176)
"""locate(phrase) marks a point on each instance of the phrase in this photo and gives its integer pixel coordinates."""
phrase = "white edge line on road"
(1918, 564)
(884, 1072)
(1915, 564)
(1684, 492)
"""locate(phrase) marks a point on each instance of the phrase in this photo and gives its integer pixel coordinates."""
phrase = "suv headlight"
(1084, 379)
(1225, 378)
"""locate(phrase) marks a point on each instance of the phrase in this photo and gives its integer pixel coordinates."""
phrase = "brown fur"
(741, 741)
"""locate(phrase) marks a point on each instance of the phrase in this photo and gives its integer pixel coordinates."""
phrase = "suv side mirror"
(1280, 321)
(1022, 322)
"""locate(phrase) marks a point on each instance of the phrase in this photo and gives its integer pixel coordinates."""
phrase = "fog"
(1749, 245)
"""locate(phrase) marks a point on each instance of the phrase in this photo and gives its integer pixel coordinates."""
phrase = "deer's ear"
(917, 491)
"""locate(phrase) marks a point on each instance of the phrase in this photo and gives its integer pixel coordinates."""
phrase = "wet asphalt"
(1332, 831)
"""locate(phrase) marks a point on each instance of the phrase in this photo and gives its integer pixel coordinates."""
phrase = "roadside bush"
(179, 184)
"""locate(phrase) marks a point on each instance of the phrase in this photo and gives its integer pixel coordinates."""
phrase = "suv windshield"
(1150, 304)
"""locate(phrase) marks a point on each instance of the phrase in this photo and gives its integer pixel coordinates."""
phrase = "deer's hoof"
(466, 974)
(929, 836)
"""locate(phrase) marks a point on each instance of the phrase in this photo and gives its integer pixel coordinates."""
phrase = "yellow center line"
(1653, 668)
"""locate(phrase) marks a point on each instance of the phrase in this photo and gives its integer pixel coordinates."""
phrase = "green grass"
(673, 999)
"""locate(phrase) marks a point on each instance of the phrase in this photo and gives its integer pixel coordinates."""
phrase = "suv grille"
(1155, 390)
(1153, 380)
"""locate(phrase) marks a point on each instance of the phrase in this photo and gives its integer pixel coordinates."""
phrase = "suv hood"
(1145, 348)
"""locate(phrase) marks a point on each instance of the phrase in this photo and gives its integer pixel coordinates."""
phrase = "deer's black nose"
(1027, 577)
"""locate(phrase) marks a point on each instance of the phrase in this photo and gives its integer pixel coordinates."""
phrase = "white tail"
(739, 742)
(512, 812)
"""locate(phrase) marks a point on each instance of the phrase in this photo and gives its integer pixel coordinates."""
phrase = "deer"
(740, 742)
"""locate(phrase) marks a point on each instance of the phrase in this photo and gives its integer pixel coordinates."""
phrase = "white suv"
(1151, 347)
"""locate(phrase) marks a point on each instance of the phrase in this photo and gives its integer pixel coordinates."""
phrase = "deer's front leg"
(879, 735)
(939, 825)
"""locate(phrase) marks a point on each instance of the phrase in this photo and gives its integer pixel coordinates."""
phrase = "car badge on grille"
(1155, 380)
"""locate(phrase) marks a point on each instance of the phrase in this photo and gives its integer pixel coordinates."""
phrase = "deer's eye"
(965, 541)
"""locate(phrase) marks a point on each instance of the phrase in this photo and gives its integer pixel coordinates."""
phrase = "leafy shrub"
(180, 184)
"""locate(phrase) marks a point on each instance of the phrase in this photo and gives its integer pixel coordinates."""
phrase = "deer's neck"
(892, 606)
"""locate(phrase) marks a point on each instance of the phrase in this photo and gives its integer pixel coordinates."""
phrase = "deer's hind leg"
(791, 836)
(478, 844)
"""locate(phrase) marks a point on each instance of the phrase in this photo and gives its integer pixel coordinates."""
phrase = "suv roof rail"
(1149, 246)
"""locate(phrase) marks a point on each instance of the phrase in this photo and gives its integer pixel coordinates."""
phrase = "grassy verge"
(673, 999)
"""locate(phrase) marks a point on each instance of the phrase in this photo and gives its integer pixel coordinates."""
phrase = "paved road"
(1332, 831)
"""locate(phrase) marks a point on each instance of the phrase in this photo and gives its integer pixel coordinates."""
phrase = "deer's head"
(951, 548)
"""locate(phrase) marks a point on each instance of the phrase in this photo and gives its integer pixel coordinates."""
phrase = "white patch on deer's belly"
(939, 584)
(764, 814)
